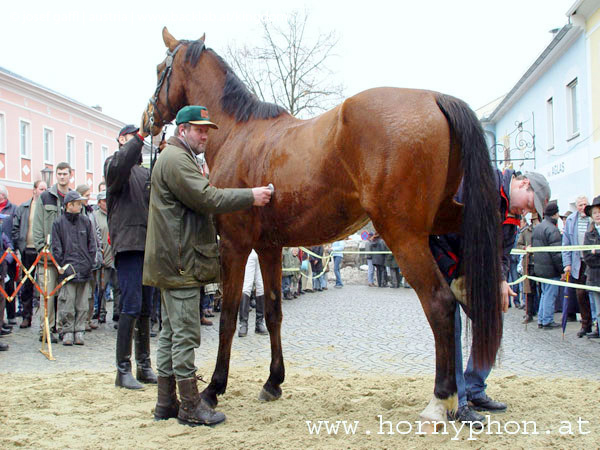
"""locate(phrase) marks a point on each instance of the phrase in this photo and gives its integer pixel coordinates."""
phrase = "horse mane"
(236, 100)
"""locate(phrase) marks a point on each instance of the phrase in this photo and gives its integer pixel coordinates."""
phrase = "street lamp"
(47, 176)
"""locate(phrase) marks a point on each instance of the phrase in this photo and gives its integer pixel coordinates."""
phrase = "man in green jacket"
(182, 255)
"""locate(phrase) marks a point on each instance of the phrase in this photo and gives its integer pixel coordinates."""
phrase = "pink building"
(40, 128)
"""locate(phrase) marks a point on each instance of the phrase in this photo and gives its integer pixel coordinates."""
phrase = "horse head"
(171, 73)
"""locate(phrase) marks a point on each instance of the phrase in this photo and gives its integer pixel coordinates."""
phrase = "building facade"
(548, 122)
(40, 128)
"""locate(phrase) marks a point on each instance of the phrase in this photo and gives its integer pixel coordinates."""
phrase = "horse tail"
(480, 230)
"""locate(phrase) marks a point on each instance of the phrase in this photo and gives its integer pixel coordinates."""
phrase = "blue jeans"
(136, 300)
(319, 282)
(546, 310)
(337, 262)
(286, 282)
(371, 272)
(470, 384)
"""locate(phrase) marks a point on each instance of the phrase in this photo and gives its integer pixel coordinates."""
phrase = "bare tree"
(290, 69)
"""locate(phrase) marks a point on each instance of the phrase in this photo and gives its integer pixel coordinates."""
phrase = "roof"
(561, 42)
(61, 98)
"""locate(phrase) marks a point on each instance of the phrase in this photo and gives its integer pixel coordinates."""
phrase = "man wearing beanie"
(548, 264)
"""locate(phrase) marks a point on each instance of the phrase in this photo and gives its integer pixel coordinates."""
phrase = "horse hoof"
(266, 396)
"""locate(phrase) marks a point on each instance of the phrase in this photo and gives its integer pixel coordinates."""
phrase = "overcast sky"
(106, 52)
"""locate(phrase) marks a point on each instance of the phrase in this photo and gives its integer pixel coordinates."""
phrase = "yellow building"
(588, 11)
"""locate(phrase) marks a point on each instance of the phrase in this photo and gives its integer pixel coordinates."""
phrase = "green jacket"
(49, 207)
(181, 241)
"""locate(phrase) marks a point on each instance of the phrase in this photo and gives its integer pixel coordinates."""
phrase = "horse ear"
(203, 38)
(169, 40)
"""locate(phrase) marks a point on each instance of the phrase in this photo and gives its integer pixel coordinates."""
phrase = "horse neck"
(206, 89)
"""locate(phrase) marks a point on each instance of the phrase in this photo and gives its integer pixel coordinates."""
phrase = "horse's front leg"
(233, 262)
(270, 266)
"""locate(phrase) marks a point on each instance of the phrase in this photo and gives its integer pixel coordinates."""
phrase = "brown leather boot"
(193, 411)
(167, 405)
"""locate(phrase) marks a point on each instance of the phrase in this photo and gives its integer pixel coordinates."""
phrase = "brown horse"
(395, 156)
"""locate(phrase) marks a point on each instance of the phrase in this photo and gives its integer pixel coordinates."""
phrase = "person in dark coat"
(74, 249)
(22, 237)
(378, 259)
(128, 196)
(548, 264)
(9, 209)
(316, 263)
(592, 258)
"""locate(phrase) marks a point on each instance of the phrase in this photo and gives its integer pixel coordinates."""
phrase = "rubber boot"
(260, 316)
(124, 340)
(193, 411)
(167, 405)
(144, 372)
(244, 311)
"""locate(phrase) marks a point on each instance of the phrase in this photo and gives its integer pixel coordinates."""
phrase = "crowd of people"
(579, 267)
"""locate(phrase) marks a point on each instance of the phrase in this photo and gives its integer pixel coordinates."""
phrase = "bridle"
(164, 77)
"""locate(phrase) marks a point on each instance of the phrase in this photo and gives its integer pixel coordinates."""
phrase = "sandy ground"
(85, 410)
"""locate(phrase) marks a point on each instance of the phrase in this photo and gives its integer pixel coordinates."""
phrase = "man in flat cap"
(128, 194)
(182, 255)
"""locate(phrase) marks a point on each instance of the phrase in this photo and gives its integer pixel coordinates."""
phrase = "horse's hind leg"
(417, 264)
(233, 262)
(270, 265)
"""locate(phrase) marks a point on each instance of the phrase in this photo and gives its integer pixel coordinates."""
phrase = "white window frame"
(550, 122)
(2, 132)
(103, 155)
(89, 159)
(27, 154)
(572, 109)
(74, 155)
(50, 159)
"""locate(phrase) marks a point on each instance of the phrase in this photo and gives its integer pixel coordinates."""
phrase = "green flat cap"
(194, 114)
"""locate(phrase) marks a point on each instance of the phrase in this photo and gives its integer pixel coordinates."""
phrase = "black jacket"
(316, 263)
(446, 249)
(378, 246)
(21, 226)
(547, 264)
(128, 196)
(74, 243)
(592, 261)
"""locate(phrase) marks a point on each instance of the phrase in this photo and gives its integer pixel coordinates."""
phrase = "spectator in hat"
(74, 249)
(182, 255)
(592, 258)
(128, 194)
(547, 264)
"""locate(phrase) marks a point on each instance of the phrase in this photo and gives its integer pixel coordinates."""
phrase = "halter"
(165, 76)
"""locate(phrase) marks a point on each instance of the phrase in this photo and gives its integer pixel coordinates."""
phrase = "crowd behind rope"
(105, 254)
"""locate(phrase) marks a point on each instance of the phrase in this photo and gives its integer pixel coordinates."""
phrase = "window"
(2, 134)
(71, 150)
(103, 154)
(89, 157)
(48, 146)
(25, 138)
(572, 108)
(550, 124)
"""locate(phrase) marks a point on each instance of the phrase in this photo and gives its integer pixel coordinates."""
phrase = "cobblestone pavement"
(354, 329)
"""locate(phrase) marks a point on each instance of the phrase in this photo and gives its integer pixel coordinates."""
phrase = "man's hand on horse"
(262, 195)
(506, 292)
